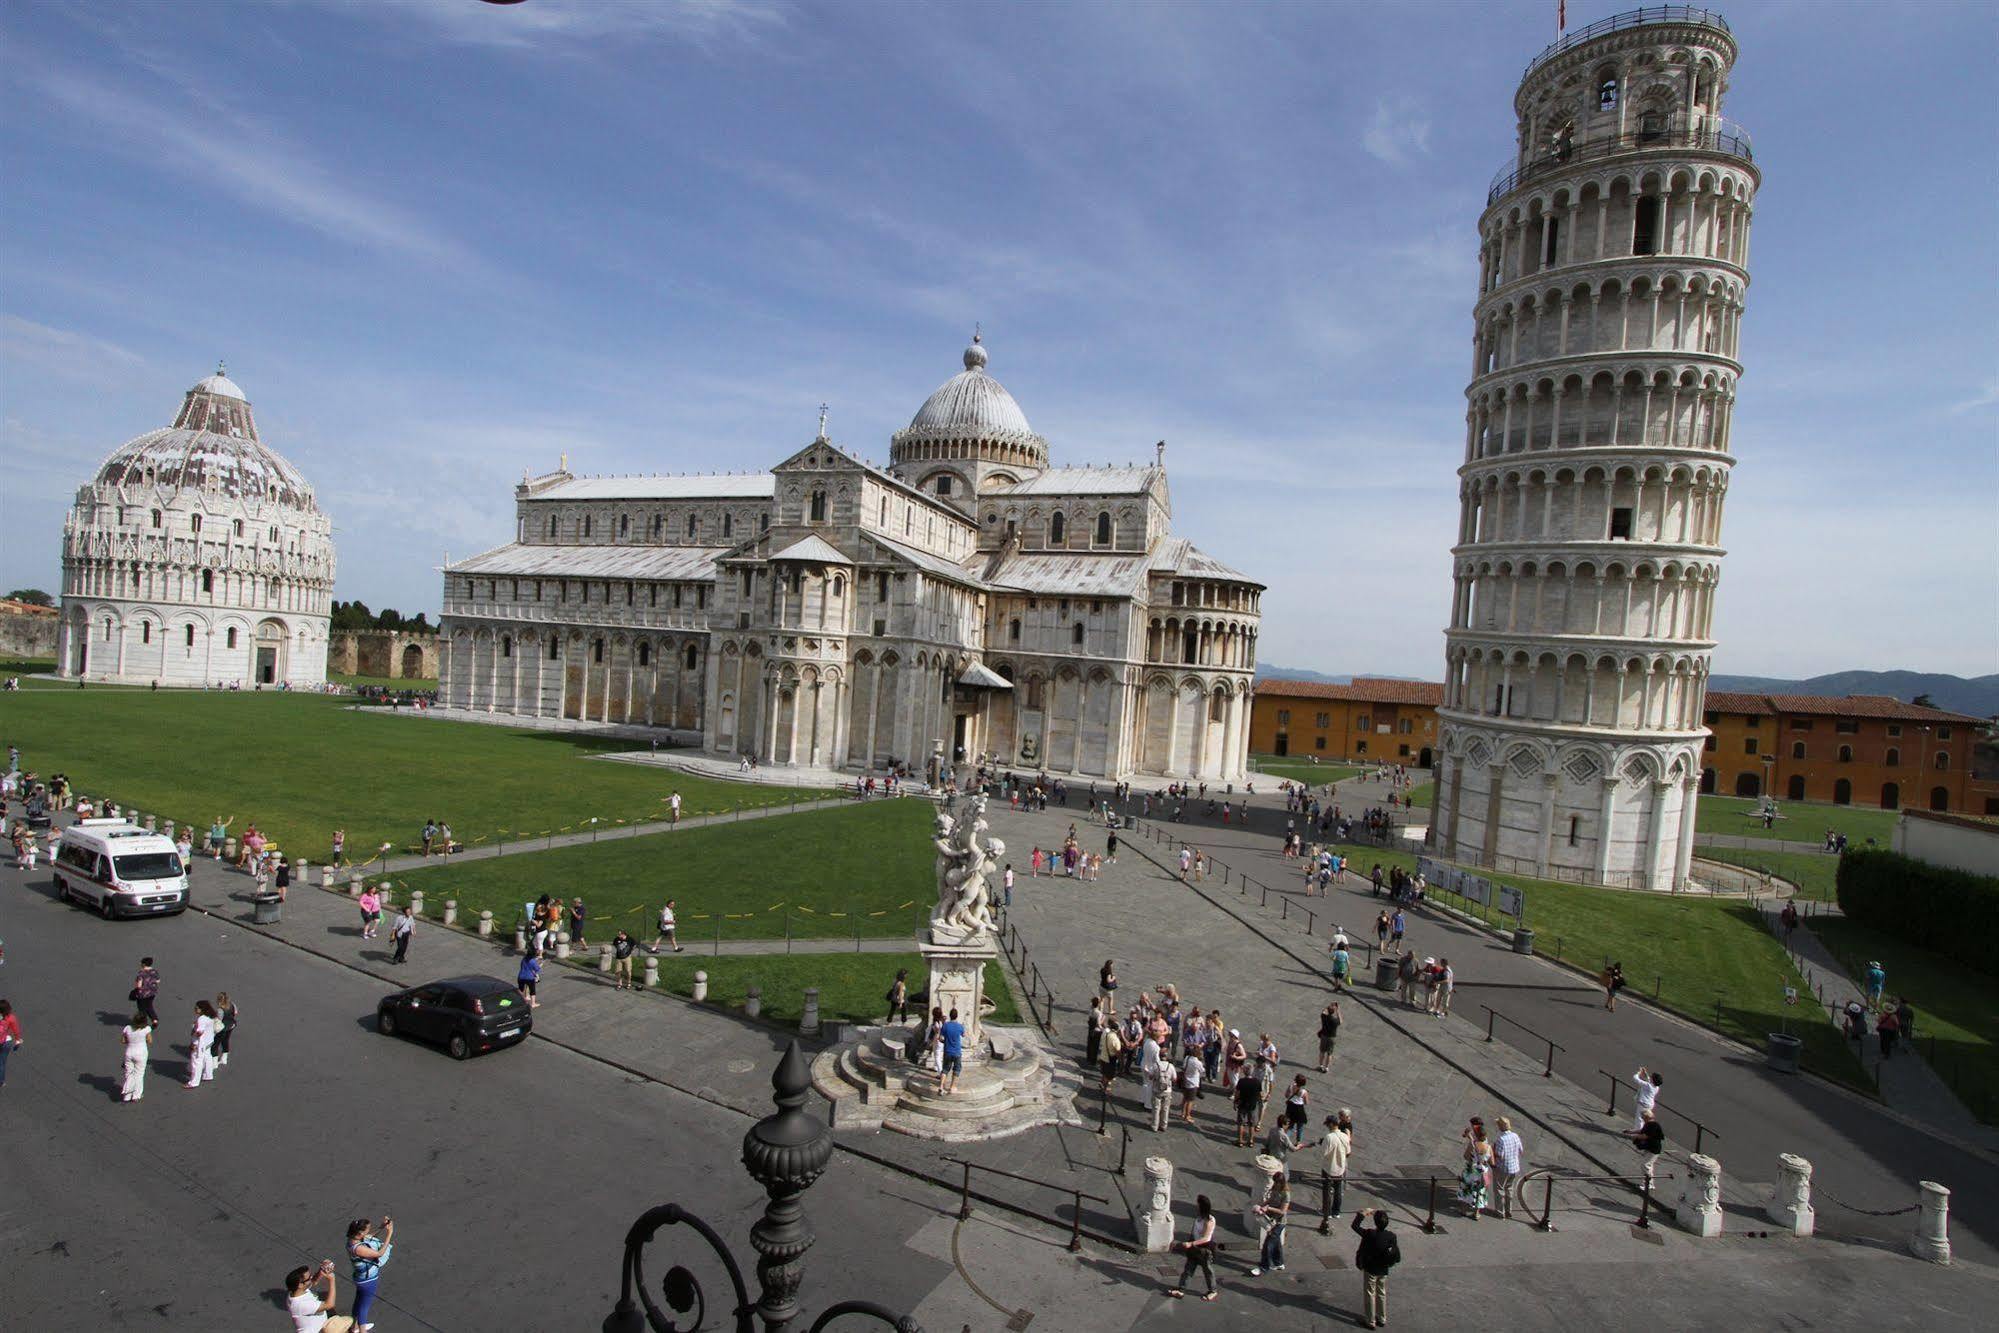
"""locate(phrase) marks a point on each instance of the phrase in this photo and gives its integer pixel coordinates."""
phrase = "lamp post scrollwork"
(785, 1152)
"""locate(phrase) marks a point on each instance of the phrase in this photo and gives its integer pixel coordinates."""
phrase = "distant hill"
(1271, 671)
(1978, 696)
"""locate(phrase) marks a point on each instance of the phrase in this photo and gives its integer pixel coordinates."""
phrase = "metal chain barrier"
(1819, 1192)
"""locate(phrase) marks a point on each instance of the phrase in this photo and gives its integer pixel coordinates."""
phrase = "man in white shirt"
(673, 804)
(1006, 883)
(311, 1312)
(1333, 1151)
(667, 928)
(1509, 1152)
(1647, 1085)
(1148, 1066)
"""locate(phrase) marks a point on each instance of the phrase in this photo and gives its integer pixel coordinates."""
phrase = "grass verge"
(1957, 1008)
(1797, 821)
(1296, 769)
(1812, 872)
(852, 986)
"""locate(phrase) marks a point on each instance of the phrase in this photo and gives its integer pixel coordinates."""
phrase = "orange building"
(1369, 721)
(1861, 750)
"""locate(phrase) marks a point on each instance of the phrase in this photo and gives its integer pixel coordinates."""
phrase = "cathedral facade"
(967, 602)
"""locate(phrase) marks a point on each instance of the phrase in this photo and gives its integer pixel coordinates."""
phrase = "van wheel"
(458, 1047)
(385, 1023)
(62, 890)
(104, 906)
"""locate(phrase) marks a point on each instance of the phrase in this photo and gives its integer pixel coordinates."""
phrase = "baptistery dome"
(198, 556)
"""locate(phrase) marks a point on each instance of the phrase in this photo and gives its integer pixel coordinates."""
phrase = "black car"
(466, 1014)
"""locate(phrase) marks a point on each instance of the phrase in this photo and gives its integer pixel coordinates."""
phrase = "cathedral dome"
(970, 409)
(212, 446)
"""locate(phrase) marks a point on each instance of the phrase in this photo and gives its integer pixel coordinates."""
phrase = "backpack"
(1113, 1044)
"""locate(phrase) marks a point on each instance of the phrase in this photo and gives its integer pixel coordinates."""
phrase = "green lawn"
(1797, 821)
(26, 666)
(852, 986)
(1298, 769)
(1812, 872)
(866, 866)
(1954, 1004)
(301, 765)
(1423, 795)
(1696, 951)
(384, 682)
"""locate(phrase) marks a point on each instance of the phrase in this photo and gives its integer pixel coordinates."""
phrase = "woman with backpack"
(226, 1015)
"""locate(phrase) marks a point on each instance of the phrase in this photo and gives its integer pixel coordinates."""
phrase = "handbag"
(134, 996)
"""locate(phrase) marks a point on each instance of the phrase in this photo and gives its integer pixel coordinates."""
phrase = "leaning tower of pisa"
(1613, 261)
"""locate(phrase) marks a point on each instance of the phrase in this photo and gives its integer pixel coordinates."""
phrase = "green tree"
(32, 596)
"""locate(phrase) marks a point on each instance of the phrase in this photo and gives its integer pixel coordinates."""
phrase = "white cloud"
(1985, 397)
(543, 24)
(1396, 132)
(78, 357)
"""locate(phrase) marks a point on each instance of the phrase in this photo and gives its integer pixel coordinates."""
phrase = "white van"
(120, 869)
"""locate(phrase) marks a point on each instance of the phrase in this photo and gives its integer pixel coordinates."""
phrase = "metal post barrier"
(1547, 1222)
(965, 1195)
(1123, 1145)
(1285, 913)
(1645, 1203)
(1430, 1222)
(1311, 919)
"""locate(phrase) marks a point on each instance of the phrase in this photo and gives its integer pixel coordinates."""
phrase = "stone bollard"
(152, 823)
(520, 939)
(652, 971)
(355, 879)
(1791, 1197)
(1153, 1218)
(562, 944)
(1698, 1208)
(229, 850)
(167, 829)
(450, 911)
(1932, 1238)
(486, 925)
(329, 877)
(416, 902)
(753, 1000)
(603, 958)
(808, 1021)
(700, 986)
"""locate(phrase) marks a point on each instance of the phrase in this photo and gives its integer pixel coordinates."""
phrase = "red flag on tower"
(1561, 17)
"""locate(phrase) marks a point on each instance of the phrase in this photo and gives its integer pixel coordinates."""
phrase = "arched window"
(1943, 761)
(1797, 749)
(156, 519)
(188, 635)
(645, 654)
(1939, 798)
(944, 483)
(588, 524)
(624, 525)
(728, 525)
(551, 526)
(235, 526)
(818, 507)
(1104, 528)
(763, 522)
(908, 520)
(506, 645)
(1893, 757)
(1795, 790)
(145, 631)
(596, 650)
(693, 656)
(839, 586)
(1891, 796)
(232, 636)
(1058, 529)
(1076, 634)
(1606, 94)
(208, 580)
(1842, 792)
(554, 649)
(1846, 754)
(1013, 630)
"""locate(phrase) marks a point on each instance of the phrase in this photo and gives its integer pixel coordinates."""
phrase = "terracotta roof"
(1812, 705)
(11, 607)
(1364, 689)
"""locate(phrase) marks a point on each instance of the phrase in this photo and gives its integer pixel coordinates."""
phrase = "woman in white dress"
(201, 1044)
(137, 1037)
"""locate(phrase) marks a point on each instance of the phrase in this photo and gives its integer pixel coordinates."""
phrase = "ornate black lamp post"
(784, 1152)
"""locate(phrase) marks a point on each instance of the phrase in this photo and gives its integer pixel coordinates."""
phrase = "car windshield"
(148, 865)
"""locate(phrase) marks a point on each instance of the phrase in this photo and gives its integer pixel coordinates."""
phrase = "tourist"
(623, 946)
(1877, 981)
(1475, 1180)
(283, 880)
(1295, 1101)
(368, 1254)
(1855, 1019)
(1280, 1142)
(1107, 983)
(1407, 972)
(1110, 1051)
(1381, 929)
(898, 998)
(1905, 1018)
(1235, 1059)
(253, 846)
(339, 847)
(1396, 926)
(933, 1041)
(184, 846)
(1273, 1212)
(1006, 886)
(1212, 1051)
(1789, 918)
(1161, 1089)
(1647, 1085)
(1508, 1151)
(404, 927)
(1248, 1097)
(953, 1033)
(146, 989)
(10, 1036)
(529, 976)
(1612, 981)
(673, 806)
(310, 1311)
(1334, 1150)
(1329, 1033)
(1110, 850)
(578, 918)
(429, 836)
(1093, 1030)
(217, 832)
(1447, 981)
(1887, 1027)
(667, 928)
(226, 1016)
(1148, 1065)
(1191, 1071)
(1342, 964)
(201, 1045)
(1199, 1249)
(136, 1040)
(1650, 1141)
(1377, 1253)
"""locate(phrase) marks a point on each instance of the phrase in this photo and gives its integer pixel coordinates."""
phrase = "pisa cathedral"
(1614, 256)
(969, 601)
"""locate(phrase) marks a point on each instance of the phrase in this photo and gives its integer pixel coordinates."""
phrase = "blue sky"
(441, 242)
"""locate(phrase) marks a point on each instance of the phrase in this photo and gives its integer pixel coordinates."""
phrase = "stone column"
(1699, 1205)
(1683, 859)
(1605, 810)
(1791, 1197)
(808, 1019)
(485, 923)
(1153, 1218)
(1932, 1238)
